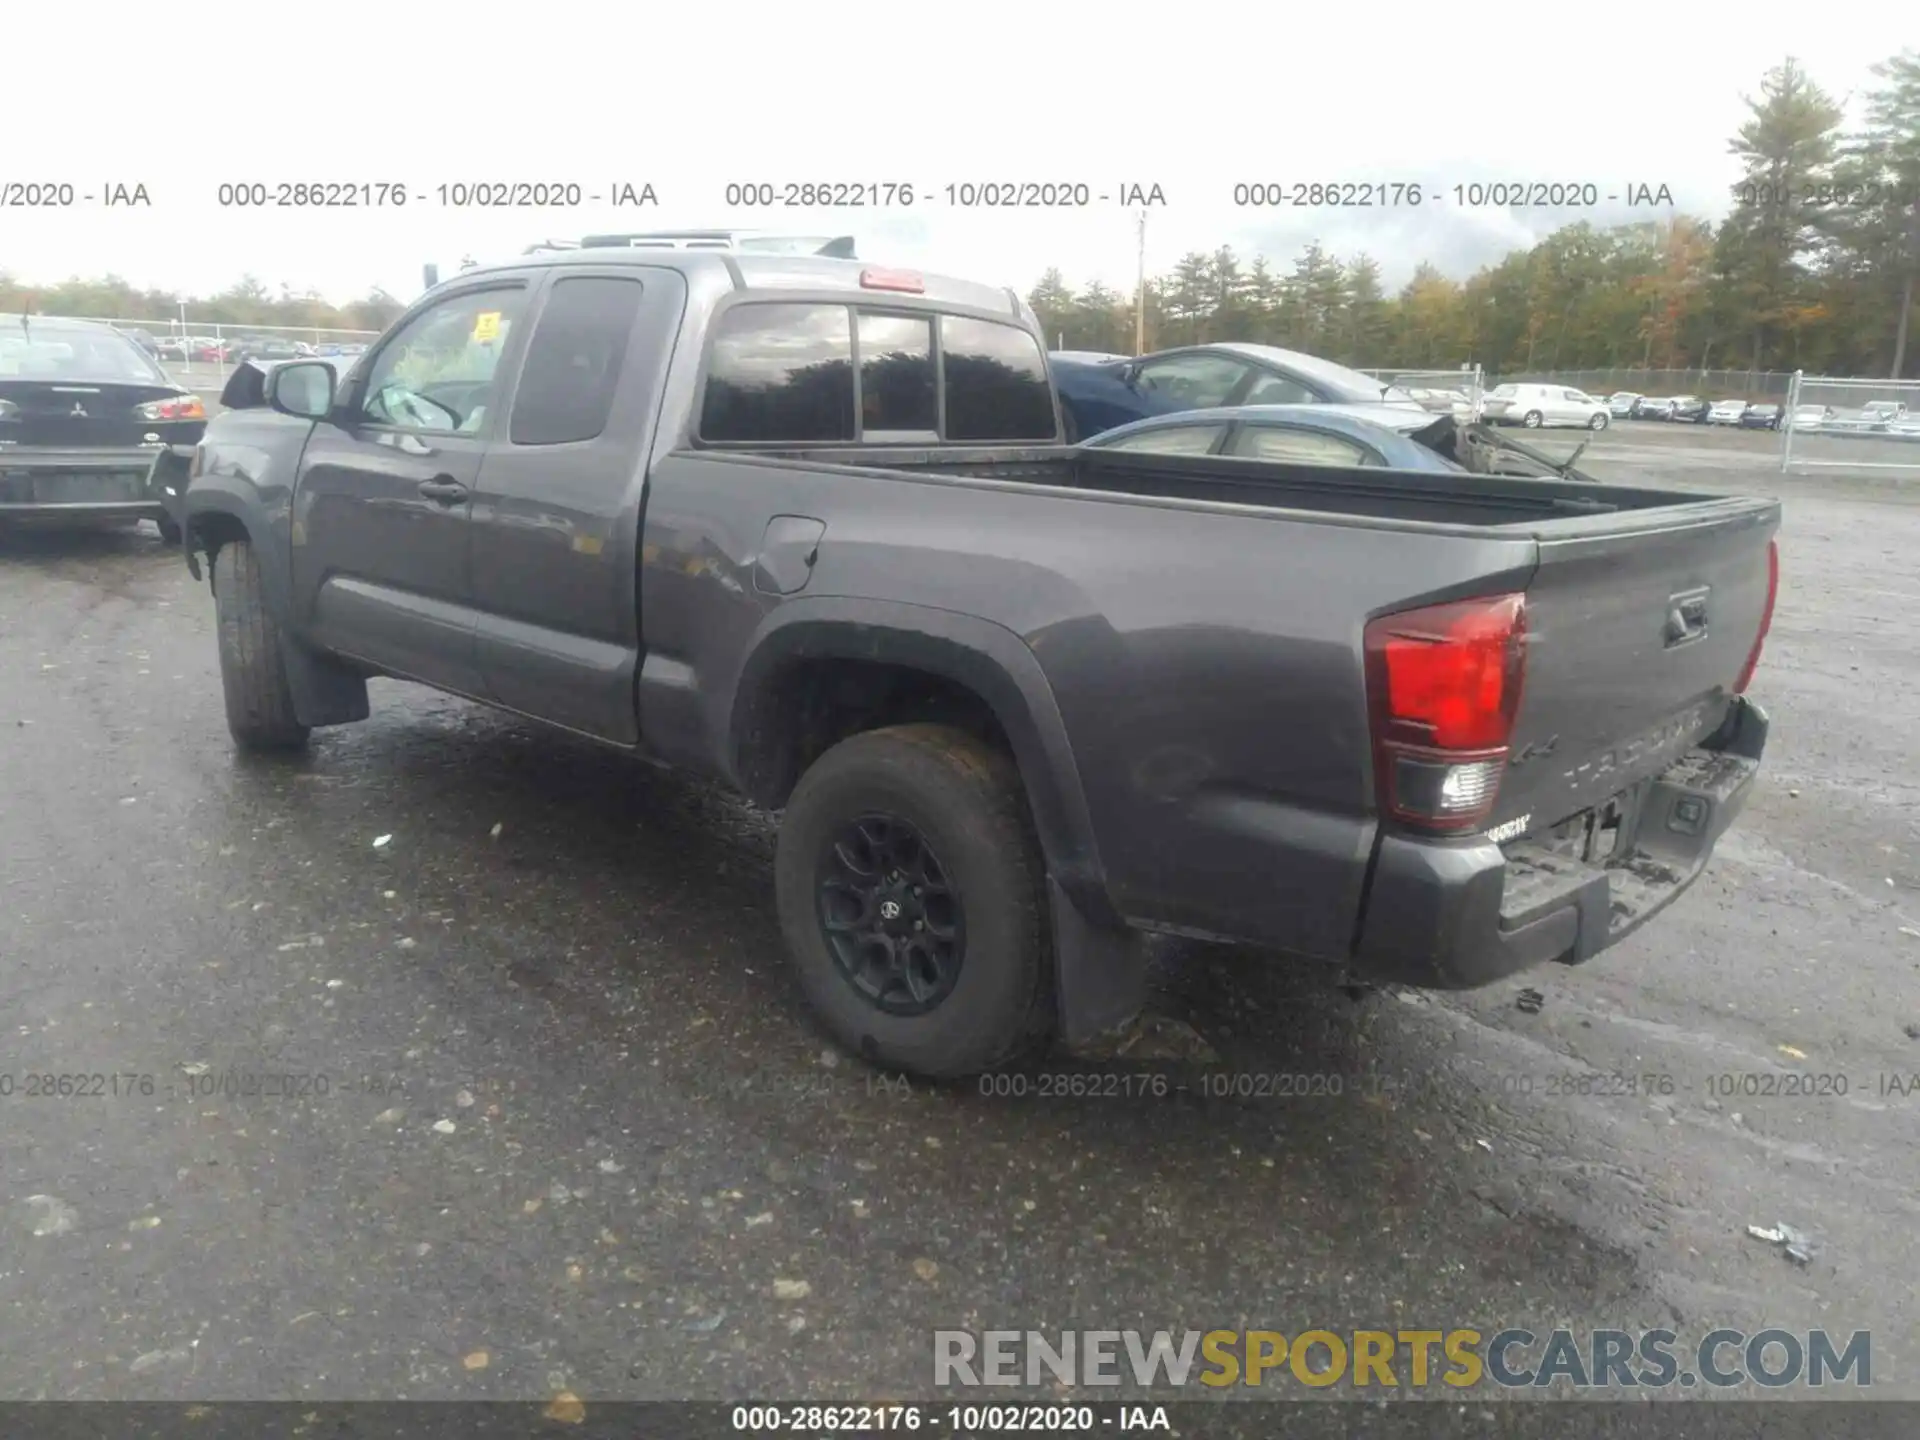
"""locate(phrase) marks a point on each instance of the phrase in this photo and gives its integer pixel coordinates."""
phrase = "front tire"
(1534, 420)
(1598, 422)
(253, 668)
(912, 896)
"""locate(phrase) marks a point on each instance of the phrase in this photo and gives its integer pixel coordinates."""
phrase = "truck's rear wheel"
(253, 671)
(912, 896)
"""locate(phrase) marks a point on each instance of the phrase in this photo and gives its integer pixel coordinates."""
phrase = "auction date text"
(455, 195)
(1389, 194)
(65, 195)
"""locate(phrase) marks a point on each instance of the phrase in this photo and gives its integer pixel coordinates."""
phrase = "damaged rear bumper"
(52, 484)
(1450, 916)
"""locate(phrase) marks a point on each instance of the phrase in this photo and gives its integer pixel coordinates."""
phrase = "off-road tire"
(966, 798)
(253, 670)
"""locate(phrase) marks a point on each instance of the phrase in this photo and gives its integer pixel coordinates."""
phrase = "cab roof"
(743, 271)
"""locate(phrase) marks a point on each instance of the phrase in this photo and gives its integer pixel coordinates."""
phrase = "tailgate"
(1635, 640)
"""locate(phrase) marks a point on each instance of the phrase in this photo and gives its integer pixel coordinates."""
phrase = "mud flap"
(324, 691)
(1100, 972)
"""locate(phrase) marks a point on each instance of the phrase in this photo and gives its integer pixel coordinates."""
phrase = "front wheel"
(1534, 420)
(912, 898)
(253, 668)
(1598, 422)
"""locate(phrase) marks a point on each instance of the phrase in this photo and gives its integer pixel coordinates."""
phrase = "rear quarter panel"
(1204, 662)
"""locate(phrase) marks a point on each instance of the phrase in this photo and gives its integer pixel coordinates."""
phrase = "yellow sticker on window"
(486, 326)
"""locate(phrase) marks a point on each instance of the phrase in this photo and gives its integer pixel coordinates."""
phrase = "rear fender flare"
(988, 659)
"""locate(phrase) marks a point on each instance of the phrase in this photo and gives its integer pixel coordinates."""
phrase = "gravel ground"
(557, 1120)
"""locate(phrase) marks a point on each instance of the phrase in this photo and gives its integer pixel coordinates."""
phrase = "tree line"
(1814, 268)
(247, 302)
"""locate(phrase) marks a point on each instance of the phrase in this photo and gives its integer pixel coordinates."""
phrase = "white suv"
(1535, 406)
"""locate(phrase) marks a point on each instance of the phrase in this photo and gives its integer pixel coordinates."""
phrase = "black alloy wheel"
(890, 915)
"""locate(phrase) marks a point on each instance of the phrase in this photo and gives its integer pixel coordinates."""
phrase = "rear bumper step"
(1459, 916)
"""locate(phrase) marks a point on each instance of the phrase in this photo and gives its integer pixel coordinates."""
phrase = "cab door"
(381, 524)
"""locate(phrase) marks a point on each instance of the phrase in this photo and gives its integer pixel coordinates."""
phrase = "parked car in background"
(1456, 403)
(1761, 417)
(83, 413)
(173, 347)
(1727, 412)
(1540, 406)
(1099, 396)
(212, 352)
(1810, 417)
(1620, 404)
(270, 347)
(1653, 407)
(1849, 422)
(1907, 427)
(1087, 357)
(1881, 414)
(1384, 437)
(1691, 408)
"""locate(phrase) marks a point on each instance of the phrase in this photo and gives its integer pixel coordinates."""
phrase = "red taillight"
(904, 281)
(1766, 619)
(1443, 687)
(185, 407)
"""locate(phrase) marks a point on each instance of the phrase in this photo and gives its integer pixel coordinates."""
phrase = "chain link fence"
(1763, 386)
(1836, 423)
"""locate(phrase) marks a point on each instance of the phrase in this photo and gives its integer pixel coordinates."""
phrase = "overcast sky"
(689, 98)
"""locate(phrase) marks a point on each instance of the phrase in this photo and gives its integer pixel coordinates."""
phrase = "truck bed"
(1367, 493)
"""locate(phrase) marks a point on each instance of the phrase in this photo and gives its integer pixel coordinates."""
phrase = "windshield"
(78, 355)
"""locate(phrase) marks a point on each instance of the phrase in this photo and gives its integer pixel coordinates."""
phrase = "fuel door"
(788, 552)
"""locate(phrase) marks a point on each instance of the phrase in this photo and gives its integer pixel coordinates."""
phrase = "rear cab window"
(786, 373)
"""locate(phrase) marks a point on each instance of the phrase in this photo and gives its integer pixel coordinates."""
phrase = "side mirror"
(302, 388)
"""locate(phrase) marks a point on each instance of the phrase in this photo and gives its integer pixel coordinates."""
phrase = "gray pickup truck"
(807, 527)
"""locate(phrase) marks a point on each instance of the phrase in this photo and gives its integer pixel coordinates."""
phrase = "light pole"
(1140, 294)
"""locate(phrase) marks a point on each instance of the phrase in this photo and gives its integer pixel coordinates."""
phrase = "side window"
(1575, 396)
(1173, 440)
(996, 382)
(437, 373)
(1279, 390)
(1300, 447)
(780, 373)
(1198, 382)
(574, 360)
(897, 392)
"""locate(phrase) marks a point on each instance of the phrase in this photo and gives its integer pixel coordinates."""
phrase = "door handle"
(443, 490)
